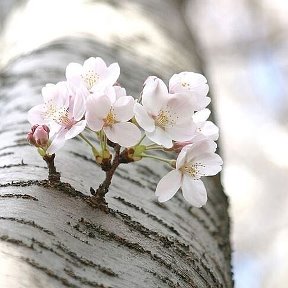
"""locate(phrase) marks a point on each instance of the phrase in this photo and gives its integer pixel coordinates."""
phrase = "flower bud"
(39, 135)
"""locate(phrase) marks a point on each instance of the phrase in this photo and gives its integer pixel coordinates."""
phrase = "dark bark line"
(53, 237)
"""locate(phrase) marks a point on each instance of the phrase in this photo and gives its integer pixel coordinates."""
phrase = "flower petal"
(125, 134)
(168, 186)
(194, 191)
(97, 108)
(210, 130)
(113, 73)
(75, 129)
(79, 106)
(123, 108)
(182, 132)
(211, 163)
(200, 147)
(73, 73)
(201, 116)
(160, 137)
(57, 142)
(154, 95)
(143, 119)
(36, 115)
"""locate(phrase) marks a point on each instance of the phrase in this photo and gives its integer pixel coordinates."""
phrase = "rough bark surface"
(51, 237)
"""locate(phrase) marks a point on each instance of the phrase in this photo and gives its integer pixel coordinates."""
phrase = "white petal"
(154, 95)
(125, 134)
(97, 65)
(202, 102)
(97, 109)
(180, 107)
(200, 147)
(194, 191)
(123, 108)
(168, 186)
(160, 137)
(210, 130)
(182, 132)
(79, 107)
(75, 129)
(201, 115)
(113, 73)
(36, 115)
(211, 163)
(58, 141)
(143, 119)
(73, 73)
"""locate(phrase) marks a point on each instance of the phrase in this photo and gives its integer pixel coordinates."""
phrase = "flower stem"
(53, 175)
(157, 158)
(99, 198)
(87, 141)
(142, 138)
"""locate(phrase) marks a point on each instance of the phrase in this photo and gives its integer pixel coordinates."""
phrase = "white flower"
(110, 112)
(193, 162)
(207, 128)
(193, 84)
(94, 74)
(62, 111)
(163, 116)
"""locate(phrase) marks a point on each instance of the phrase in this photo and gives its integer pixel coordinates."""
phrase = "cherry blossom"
(39, 135)
(93, 74)
(193, 84)
(194, 161)
(110, 112)
(163, 116)
(62, 111)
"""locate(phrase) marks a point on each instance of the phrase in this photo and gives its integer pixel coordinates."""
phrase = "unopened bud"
(39, 135)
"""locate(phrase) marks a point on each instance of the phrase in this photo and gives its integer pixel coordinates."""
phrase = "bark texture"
(51, 236)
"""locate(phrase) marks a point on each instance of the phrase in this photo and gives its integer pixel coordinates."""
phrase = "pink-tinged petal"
(96, 65)
(210, 130)
(182, 157)
(73, 73)
(168, 186)
(200, 147)
(154, 95)
(160, 137)
(97, 109)
(181, 107)
(143, 119)
(57, 142)
(75, 129)
(194, 191)
(113, 73)
(182, 132)
(79, 106)
(201, 116)
(36, 115)
(123, 108)
(210, 163)
(202, 103)
(125, 134)
(119, 91)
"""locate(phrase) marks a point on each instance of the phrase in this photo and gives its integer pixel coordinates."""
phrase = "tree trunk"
(52, 237)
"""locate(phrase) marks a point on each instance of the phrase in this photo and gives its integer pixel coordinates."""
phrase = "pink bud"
(39, 135)
(177, 146)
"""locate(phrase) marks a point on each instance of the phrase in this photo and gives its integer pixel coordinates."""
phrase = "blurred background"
(244, 47)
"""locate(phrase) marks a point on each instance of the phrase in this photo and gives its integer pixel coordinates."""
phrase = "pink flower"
(39, 135)
(110, 112)
(193, 162)
(62, 111)
(94, 74)
(163, 116)
(193, 84)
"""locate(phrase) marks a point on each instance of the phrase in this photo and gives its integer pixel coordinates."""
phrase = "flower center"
(110, 119)
(192, 170)
(163, 119)
(90, 78)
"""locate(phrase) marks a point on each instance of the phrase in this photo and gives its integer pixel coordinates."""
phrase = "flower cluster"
(173, 118)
